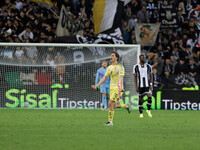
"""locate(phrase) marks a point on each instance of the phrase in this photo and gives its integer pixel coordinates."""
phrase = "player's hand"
(94, 87)
(122, 90)
(137, 90)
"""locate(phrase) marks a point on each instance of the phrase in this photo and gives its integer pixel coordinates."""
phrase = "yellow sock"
(110, 115)
(123, 105)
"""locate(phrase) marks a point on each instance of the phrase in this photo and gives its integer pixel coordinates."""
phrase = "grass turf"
(60, 129)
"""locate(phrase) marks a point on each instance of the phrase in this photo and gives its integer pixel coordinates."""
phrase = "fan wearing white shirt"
(19, 52)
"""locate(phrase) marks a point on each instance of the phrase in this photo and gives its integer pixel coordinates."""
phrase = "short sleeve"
(134, 69)
(107, 72)
(122, 70)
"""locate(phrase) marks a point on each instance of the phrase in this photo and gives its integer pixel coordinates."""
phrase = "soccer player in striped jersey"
(116, 72)
(105, 87)
(143, 82)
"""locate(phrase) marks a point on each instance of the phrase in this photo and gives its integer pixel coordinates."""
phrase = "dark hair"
(116, 54)
(104, 61)
(142, 54)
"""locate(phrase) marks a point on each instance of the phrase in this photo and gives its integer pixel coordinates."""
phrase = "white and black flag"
(68, 26)
(107, 24)
(168, 16)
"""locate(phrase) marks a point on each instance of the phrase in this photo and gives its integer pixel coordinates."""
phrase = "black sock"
(140, 105)
(149, 103)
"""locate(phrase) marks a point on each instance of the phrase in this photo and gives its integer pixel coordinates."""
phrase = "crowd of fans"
(175, 51)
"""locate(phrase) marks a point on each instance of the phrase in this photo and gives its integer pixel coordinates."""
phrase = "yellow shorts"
(114, 94)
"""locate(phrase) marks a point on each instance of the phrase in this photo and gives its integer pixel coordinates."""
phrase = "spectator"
(135, 6)
(60, 70)
(193, 68)
(175, 53)
(151, 6)
(168, 69)
(128, 13)
(160, 38)
(19, 52)
(175, 37)
(181, 68)
(36, 57)
(191, 41)
(188, 5)
(68, 10)
(126, 30)
(161, 54)
(181, 9)
(50, 61)
(166, 48)
(132, 21)
(184, 53)
(86, 28)
(30, 50)
(59, 58)
(19, 5)
(154, 16)
(173, 63)
(26, 34)
(157, 63)
(142, 14)
(180, 19)
(156, 80)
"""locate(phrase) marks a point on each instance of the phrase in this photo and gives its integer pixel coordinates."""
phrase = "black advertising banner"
(68, 97)
(177, 99)
(168, 16)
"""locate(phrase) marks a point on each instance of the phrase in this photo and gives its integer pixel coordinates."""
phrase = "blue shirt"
(100, 74)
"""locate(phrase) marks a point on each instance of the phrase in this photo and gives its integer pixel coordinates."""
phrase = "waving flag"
(107, 15)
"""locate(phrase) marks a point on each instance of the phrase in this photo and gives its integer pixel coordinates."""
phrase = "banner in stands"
(68, 26)
(168, 16)
(44, 3)
(146, 34)
(106, 18)
(107, 25)
(180, 81)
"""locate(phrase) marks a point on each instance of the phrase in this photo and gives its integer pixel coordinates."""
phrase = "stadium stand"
(26, 21)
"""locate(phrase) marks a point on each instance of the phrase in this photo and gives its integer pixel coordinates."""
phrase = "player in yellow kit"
(116, 72)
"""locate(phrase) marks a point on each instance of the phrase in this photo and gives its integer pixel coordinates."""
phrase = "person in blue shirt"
(105, 87)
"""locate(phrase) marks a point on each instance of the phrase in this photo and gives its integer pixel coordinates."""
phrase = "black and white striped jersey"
(143, 74)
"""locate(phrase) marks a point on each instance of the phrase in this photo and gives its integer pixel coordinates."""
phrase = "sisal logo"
(133, 99)
(19, 98)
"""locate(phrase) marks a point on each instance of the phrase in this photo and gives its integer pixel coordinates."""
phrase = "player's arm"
(121, 78)
(150, 78)
(100, 82)
(121, 82)
(97, 78)
(135, 79)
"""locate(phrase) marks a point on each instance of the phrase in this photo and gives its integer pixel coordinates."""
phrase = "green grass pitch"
(78, 129)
